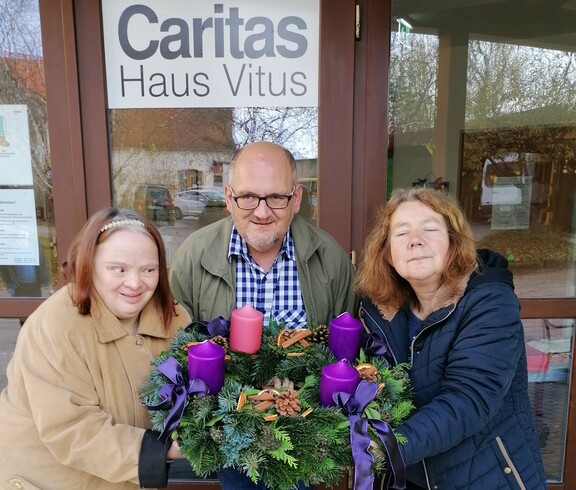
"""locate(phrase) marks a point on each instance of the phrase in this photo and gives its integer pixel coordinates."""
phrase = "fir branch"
(251, 462)
(281, 453)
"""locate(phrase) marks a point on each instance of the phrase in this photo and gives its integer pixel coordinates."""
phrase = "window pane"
(492, 121)
(28, 257)
(549, 351)
(181, 103)
(170, 165)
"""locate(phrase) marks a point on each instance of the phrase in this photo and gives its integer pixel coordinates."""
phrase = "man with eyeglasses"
(265, 255)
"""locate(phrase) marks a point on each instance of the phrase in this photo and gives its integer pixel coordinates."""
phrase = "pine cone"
(221, 341)
(319, 335)
(287, 403)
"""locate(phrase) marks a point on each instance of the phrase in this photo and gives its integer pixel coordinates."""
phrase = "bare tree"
(296, 128)
(22, 79)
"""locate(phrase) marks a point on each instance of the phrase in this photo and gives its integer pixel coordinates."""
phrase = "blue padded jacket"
(473, 428)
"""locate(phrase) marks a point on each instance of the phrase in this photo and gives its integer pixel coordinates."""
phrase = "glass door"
(483, 107)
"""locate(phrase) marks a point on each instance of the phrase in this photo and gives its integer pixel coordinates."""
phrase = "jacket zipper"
(412, 360)
(427, 327)
(510, 463)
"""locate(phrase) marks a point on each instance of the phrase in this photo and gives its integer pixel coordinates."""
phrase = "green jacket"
(204, 281)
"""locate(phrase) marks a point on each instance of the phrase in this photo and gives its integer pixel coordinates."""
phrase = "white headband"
(122, 222)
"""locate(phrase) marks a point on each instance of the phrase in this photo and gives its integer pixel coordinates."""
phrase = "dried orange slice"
(241, 401)
(188, 345)
(280, 338)
(366, 369)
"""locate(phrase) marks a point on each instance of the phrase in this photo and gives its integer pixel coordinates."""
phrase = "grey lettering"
(123, 32)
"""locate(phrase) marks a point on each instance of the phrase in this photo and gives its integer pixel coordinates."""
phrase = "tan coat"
(70, 417)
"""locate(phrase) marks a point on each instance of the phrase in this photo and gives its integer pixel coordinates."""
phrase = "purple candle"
(344, 337)
(206, 362)
(339, 376)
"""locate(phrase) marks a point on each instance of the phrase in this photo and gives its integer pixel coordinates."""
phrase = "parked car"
(193, 202)
(155, 202)
(188, 203)
(214, 195)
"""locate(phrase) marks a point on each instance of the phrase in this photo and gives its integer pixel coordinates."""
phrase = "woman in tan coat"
(70, 416)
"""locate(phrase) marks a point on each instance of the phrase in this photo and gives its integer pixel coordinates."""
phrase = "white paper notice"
(18, 231)
(15, 157)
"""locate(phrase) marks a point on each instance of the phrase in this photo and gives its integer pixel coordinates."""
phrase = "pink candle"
(336, 377)
(344, 337)
(246, 329)
(206, 362)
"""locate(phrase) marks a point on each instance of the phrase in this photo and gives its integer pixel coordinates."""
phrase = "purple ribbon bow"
(373, 346)
(353, 406)
(218, 326)
(175, 395)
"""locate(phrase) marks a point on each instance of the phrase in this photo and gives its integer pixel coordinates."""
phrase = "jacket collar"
(215, 259)
(444, 297)
(108, 327)
(492, 267)
(305, 243)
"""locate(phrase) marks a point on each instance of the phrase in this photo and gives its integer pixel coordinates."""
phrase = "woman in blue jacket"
(450, 311)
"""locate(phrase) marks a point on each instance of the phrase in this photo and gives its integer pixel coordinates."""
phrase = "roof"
(28, 71)
(198, 129)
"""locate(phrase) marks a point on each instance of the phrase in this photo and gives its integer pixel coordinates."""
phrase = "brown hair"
(376, 276)
(79, 266)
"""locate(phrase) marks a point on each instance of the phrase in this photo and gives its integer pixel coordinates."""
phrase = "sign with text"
(194, 53)
(15, 156)
(18, 230)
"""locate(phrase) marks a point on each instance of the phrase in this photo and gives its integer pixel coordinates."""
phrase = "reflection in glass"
(493, 120)
(549, 352)
(24, 148)
(171, 164)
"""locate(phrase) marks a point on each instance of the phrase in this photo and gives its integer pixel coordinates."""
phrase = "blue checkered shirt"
(275, 293)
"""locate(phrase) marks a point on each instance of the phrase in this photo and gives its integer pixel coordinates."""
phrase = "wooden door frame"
(370, 131)
(64, 133)
(354, 93)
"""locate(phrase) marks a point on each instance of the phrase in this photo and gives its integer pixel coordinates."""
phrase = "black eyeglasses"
(273, 201)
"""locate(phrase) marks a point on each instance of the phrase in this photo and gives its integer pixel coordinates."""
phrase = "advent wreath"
(267, 421)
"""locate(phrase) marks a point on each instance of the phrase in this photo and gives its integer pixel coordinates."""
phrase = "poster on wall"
(194, 53)
(18, 230)
(15, 157)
